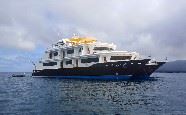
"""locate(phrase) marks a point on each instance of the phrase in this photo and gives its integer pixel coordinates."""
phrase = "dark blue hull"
(106, 77)
(110, 70)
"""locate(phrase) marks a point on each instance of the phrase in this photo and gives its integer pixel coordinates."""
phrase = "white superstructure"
(82, 52)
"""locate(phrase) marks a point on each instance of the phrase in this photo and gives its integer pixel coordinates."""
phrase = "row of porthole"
(116, 65)
(133, 63)
(120, 64)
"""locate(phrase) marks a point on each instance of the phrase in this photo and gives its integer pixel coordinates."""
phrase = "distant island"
(178, 66)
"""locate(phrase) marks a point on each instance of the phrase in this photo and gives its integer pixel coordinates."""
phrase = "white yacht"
(85, 57)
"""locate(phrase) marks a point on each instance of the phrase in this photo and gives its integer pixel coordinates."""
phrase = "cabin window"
(76, 63)
(111, 49)
(105, 59)
(70, 51)
(69, 62)
(63, 54)
(55, 53)
(89, 60)
(61, 43)
(50, 64)
(102, 48)
(88, 50)
(79, 49)
(120, 57)
(61, 64)
(50, 55)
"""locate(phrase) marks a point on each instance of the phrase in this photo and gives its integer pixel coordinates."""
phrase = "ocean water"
(163, 93)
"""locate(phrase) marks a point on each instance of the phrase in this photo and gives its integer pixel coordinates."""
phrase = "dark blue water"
(164, 93)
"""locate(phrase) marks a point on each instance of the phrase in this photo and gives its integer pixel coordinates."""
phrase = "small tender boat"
(19, 75)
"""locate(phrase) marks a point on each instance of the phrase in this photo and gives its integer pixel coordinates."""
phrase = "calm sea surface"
(164, 93)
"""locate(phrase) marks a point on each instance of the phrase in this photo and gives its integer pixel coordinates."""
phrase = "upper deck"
(82, 52)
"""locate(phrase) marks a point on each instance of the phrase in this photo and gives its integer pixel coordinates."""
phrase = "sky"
(150, 27)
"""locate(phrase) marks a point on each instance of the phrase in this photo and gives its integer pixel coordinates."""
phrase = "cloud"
(155, 27)
(15, 37)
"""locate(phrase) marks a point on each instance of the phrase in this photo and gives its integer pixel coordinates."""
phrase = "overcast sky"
(150, 27)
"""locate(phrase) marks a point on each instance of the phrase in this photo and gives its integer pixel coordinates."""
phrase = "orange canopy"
(82, 40)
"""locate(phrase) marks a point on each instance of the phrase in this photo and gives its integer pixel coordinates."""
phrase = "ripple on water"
(163, 93)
